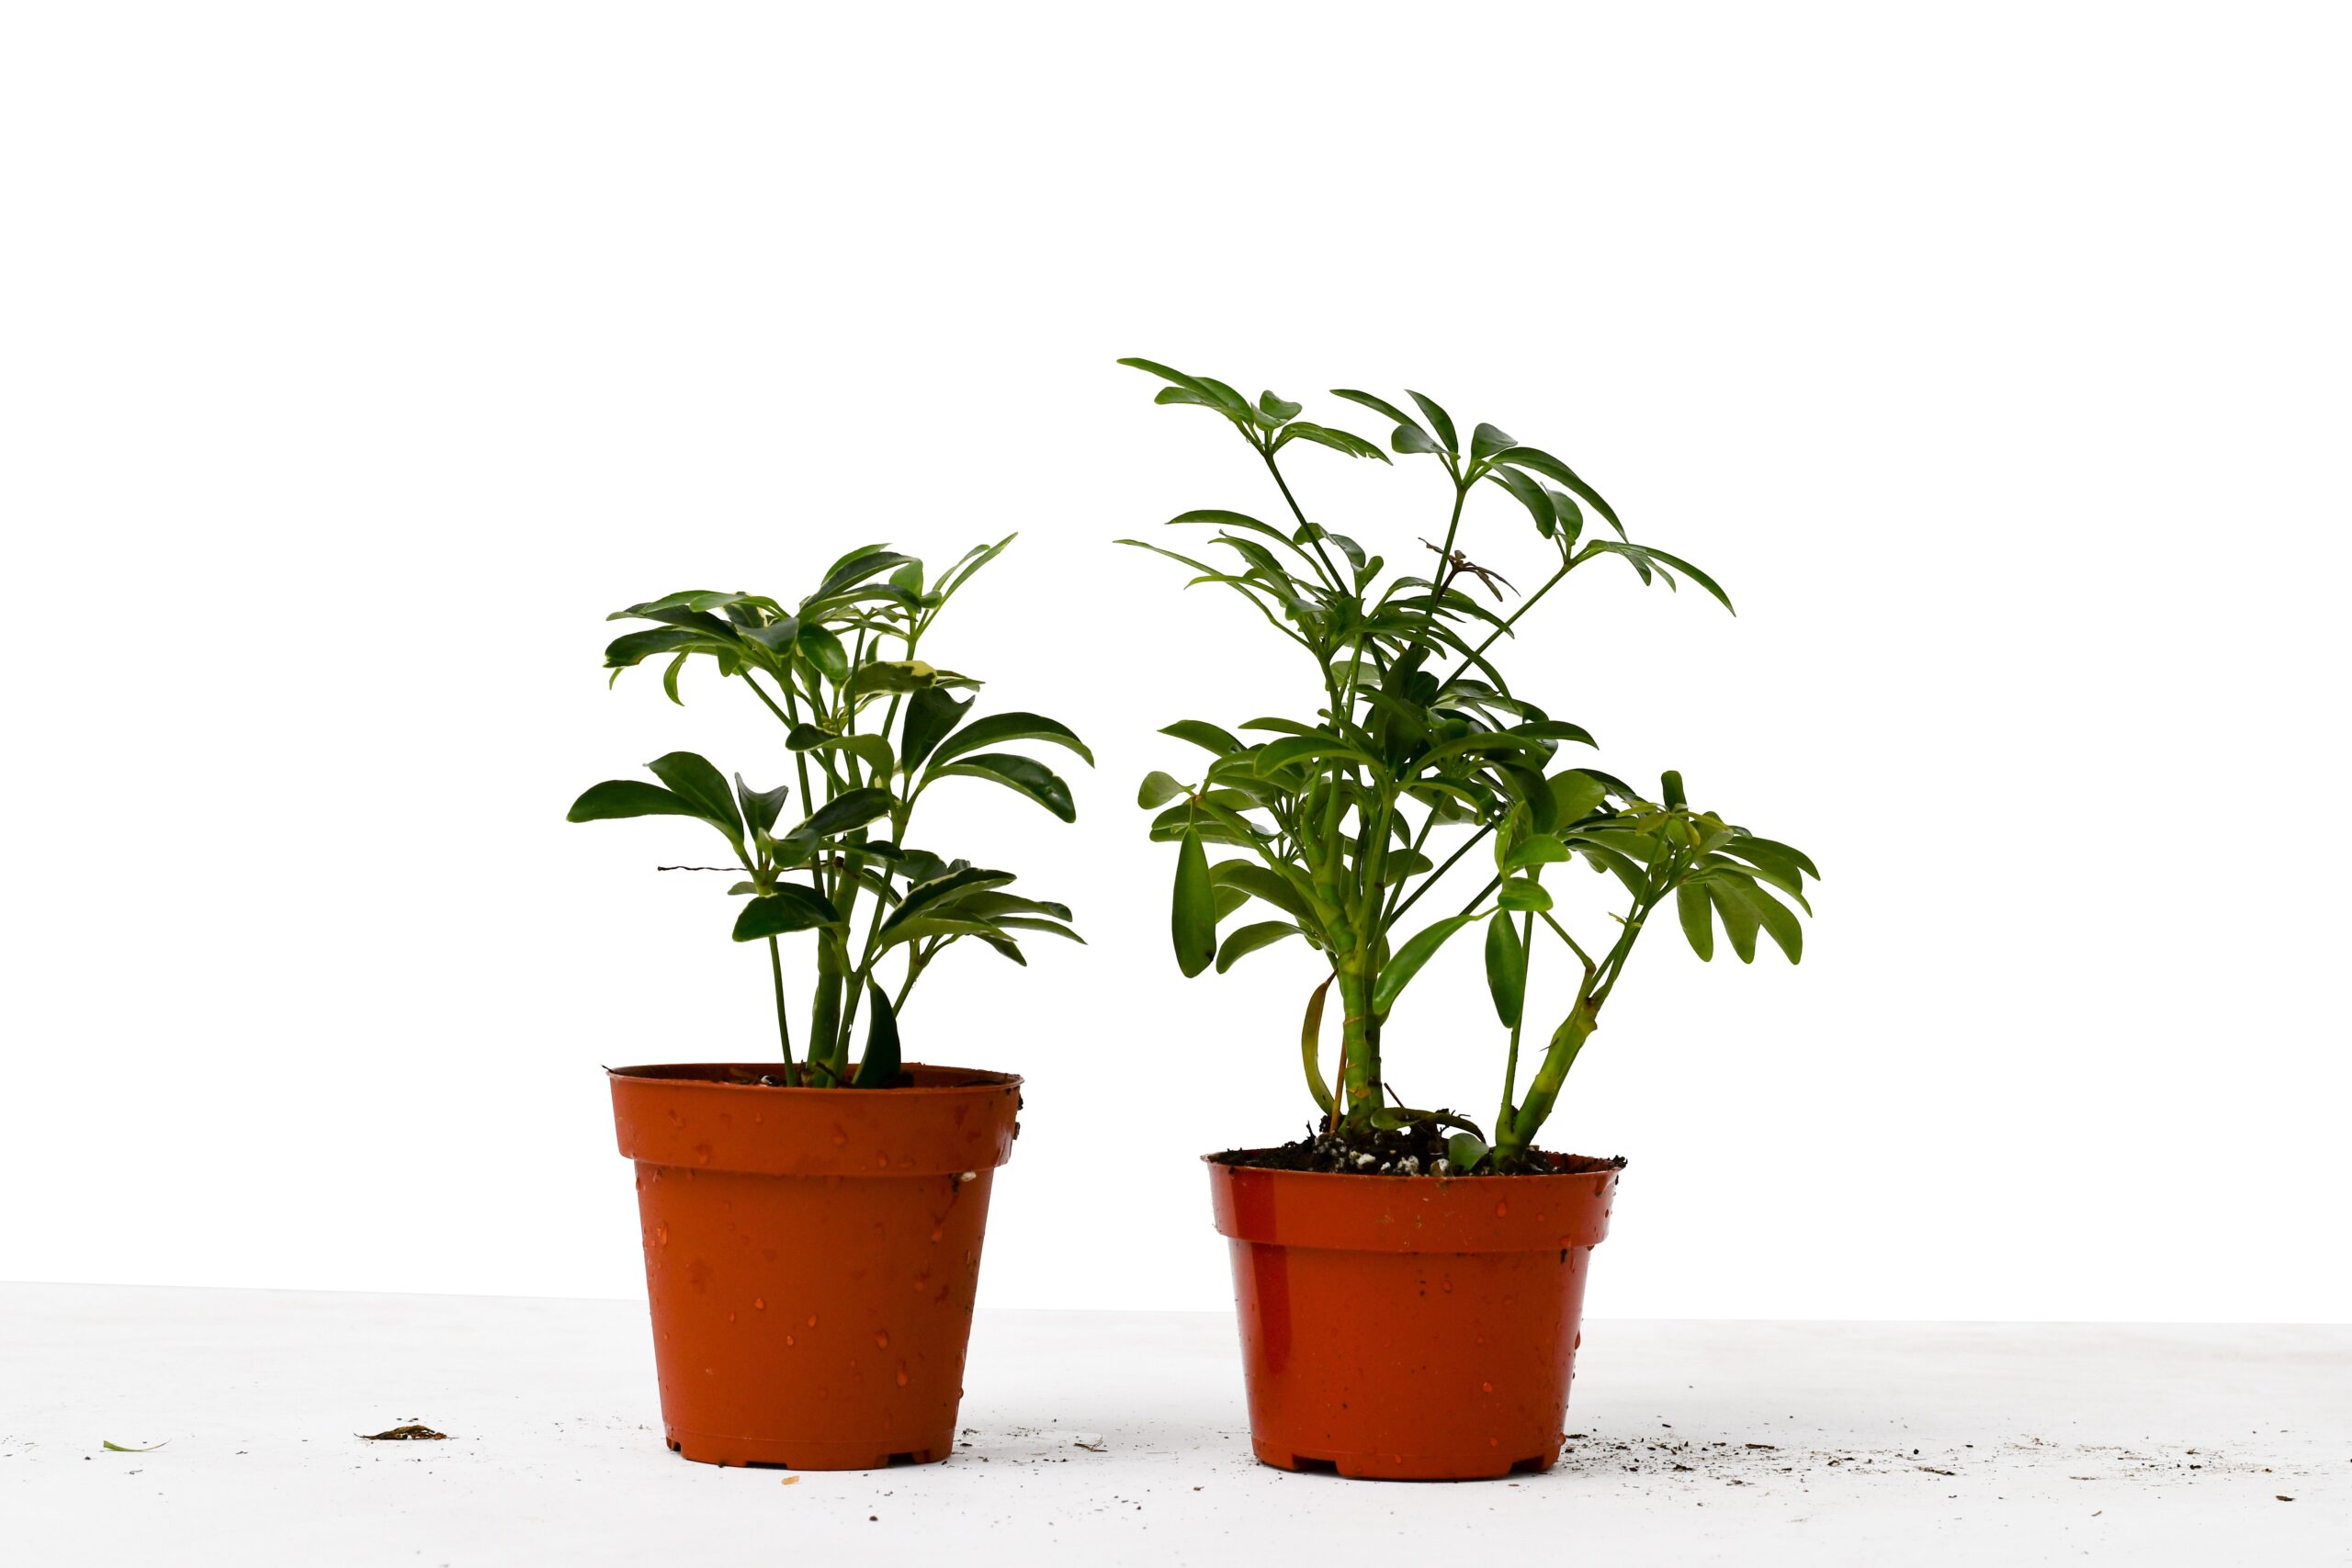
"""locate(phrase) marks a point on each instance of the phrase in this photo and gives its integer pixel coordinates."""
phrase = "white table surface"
(2136, 1445)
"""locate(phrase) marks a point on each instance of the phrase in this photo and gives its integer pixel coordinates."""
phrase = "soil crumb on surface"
(412, 1433)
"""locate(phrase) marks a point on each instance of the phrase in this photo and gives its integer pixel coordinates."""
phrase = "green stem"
(782, 1019)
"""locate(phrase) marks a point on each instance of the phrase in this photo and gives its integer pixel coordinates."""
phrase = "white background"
(355, 361)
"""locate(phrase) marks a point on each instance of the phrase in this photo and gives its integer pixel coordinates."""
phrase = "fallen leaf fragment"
(413, 1433)
(115, 1448)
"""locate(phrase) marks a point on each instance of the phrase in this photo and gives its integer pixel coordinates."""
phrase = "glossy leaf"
(1524, 894)
(695, 782)
(1248, 940)
(1192, 913)
(1463, 1151)
(1441, 423)
(617, 798)
(879, 1064)
(932, 713)
(1158, 789)
(847, 811)
(1406, 961)
(761, 807)
(1506, 969)
(1023, 775)
(788, 907)
(1697, 914)
(998, 727)
(1310, 1044)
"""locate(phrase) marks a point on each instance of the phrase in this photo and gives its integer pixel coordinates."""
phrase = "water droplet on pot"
(812, 1320)
(881, 1340)
(1485, 1388)
(1501, 1209)
(937, 1232)
(702, 1154)
(660, 1235)
(789, 1340)
(902, 1375)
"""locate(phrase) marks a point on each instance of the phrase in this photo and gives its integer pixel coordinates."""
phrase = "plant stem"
(783, 1019)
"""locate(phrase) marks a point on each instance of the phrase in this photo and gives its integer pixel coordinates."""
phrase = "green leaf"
(1248, 940)
(1552, 468)
(1440, 421)
(1463, 1151)
(1192, 918)
(1023, 775)
(1378, 405)
(617, 798)
(113, 1448)
(1506, 969)
(1412, 438)
(1780, 923)
(1158, 789)
(1310, 1044)
(1212, 394)
(1536, 849)
(900, 675)
(760, 807)
(1532, 495)
(824, 650)
(857, 568)
(1278, 409)
(1750, 847)
(844, 812)
(1205, 735)
(945, 892)
(1524, 894)
(932, 713)
(1486, 440)
(1001, 726)
(1261, 882)
(634, 648)
(670, 679)
(1406, 961)
(973, 559)
(879, 1064)
(1324, 435)
(1575, 794)
(1740, 916)
(788, 907)
(700, 786)
(1698, 919)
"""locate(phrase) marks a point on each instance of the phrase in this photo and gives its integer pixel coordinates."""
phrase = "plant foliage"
(1422, 759)
(869, 729)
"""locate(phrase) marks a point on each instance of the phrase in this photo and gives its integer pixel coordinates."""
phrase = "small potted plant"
(812, 1223)
(1410, 1281)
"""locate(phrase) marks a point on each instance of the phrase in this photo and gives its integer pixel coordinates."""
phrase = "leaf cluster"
(868, 727)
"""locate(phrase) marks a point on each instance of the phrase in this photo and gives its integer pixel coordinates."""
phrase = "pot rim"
(687, 1075)
(1222, 1160)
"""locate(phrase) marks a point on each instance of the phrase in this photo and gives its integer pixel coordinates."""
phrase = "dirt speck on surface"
(413, 1433)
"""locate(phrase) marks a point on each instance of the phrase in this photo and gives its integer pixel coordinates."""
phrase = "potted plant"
(812, 1223)
(1410, 1281)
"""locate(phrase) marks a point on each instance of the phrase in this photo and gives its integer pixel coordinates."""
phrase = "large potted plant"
(812, 1223)
(1410, 1281)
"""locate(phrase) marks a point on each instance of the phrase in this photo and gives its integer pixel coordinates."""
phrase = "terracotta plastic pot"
(1410, 1327)
(811, 1255)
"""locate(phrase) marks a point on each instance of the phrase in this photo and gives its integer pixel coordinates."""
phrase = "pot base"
(1398, 1467)
(713, 1447)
